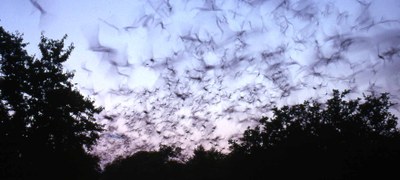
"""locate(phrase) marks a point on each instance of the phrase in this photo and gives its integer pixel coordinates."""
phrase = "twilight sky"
(200, 71)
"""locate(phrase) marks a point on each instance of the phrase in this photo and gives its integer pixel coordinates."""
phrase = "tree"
(146, 165)
(46, 125)
(340, 139)
(206, 164)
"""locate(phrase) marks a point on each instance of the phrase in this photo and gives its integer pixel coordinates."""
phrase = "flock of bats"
(301, 60)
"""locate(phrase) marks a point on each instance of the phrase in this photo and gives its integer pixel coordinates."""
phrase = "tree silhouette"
(206, 164)
(146, 165)
(46, 125)
(341, 139)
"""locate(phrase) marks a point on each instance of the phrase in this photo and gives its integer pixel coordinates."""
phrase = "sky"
(190, 72)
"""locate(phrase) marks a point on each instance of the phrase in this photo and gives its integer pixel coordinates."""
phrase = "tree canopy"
(338, 139)
(341, 138)
(146, 165)
(46, 125)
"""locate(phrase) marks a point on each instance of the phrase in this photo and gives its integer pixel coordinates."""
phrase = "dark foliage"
(46, 125)
(146, 165)
(162, 164)
(339, 139)
(206, 164)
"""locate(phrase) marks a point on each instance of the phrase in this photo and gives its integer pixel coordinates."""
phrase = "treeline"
(339, 139)
(47, 128)
(46, 125)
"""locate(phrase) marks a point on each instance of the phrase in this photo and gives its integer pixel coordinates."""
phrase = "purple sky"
(200, 71)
